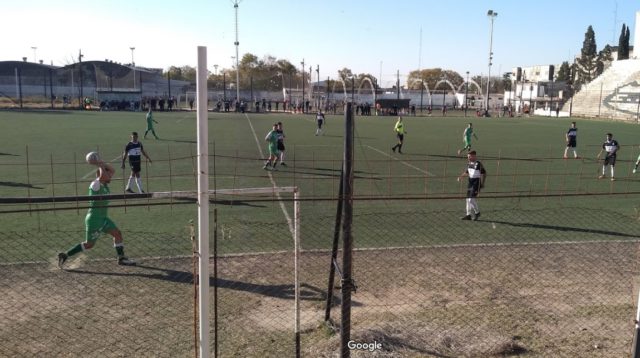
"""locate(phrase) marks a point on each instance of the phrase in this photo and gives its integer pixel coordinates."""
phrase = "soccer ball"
(92, 158)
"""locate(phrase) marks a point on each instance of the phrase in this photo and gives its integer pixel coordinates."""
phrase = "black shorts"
(610, 159)
(135, 166)
(400, 137)
(473, 188)
(281, 146)
(572, 142)
(320, 124)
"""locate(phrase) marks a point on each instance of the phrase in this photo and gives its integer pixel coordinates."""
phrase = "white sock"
(130, 183)
(604, 168)
(139, 184)
(575, 154)
(612, 169)
(281, 157)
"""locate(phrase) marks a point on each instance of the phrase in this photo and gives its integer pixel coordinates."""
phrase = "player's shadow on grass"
(19, 185)
(178, 140)
(223, 202)
(564, 228)
(486, 157)
(307, 292)
(13, 155)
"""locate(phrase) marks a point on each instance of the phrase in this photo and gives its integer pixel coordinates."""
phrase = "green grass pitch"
(523, 156)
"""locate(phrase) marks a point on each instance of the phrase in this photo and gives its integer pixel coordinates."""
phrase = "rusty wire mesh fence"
(557, 280)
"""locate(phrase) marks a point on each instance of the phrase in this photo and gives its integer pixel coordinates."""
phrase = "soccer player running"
(281, 137)
(97, 222)
(400, 132)
(320, 121)
(272, 140)
(477, 177)
(134, 150)
(611, 147)
(571, 137)
(150, 122)
(466, 138)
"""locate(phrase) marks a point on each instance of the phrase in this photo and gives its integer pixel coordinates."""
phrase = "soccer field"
(553, 251)
(43, 153)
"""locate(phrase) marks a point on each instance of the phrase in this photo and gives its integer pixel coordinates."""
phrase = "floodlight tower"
(235, 6)
(491, 15)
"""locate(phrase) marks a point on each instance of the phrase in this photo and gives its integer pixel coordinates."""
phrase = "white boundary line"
(273, 182)
(402, 161)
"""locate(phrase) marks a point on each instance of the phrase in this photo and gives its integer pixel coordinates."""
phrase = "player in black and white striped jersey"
(477, 177)
(571, 136)
(134, 150)
(610, 147)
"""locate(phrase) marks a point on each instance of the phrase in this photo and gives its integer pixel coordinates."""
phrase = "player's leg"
(130, 182)
(613, 168)
(282, 157)
(636, 166)
(118, 243)
(566, 150)
(92, 233)
(400, 142)
(136, 169)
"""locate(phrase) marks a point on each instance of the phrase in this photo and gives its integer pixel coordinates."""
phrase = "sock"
(119, 249)
(281, 157)
(604, 168)
(74, 250)
(130, 183)
(139, 184)
(612, 170)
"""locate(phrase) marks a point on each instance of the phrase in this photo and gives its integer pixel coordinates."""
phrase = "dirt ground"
(562, 300)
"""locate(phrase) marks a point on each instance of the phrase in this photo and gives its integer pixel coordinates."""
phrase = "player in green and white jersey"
(97, 221)
(150, 122)
(466, 138)
(272, 140)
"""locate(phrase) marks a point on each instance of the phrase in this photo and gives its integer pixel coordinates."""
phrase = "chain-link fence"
(540, 280)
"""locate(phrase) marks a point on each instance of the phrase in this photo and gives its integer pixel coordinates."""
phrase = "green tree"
(184, 73)
(431, 76)
(564, 72)
(623, 43)
(587, 63)
(604, 59)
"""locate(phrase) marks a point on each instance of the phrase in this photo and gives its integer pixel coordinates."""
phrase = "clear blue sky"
(358, 34)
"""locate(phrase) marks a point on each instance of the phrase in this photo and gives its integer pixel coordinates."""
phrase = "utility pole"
(302, 84)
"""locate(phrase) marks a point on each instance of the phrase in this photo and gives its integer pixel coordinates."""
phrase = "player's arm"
(124, 157)
(600, 153)
(474, 134)
(145, 155)
(464, 174)
(266, 138)
(483, 176)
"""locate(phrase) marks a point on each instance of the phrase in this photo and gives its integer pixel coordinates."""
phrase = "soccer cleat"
(459, 151)
(62, 258)
(565, 157)
(634, 170)
(394, 149)
(613, 179)
(130, 191)
(466, 217)
(475, 216)
(283, 164)
(601, 177)
(399, 151)
(124, 261)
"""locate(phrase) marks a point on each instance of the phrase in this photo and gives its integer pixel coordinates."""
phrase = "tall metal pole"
(318, 95)
(133, 64)
(80, 102)
(398, 84)
(203, 203)
(492, 15)
(466, 92)
(302, 63)
(235, 6)
(347, 245)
